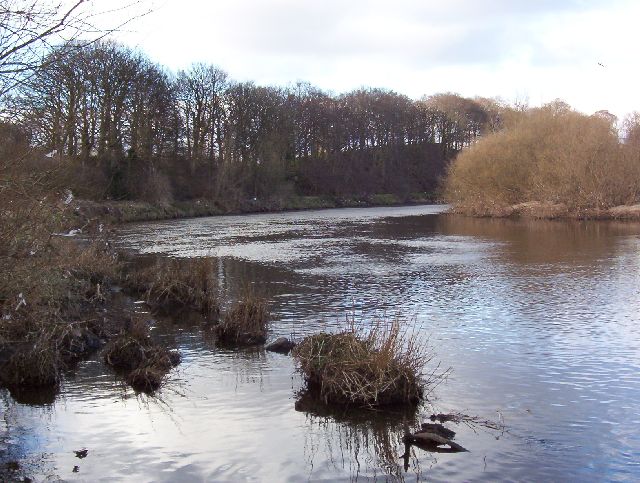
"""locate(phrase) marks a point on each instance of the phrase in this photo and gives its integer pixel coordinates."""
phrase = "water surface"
(538, 320)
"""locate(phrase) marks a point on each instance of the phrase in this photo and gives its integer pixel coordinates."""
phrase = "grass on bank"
(132, 211)
(50, 290)
(553, 159)
(54, 289)
(379, 366)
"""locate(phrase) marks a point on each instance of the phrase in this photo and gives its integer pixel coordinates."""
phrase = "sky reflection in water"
(539, 321)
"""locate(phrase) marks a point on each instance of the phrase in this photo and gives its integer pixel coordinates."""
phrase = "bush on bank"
(553, 156)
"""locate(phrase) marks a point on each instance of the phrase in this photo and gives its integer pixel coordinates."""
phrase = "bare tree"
(29, 28)
(201, 91)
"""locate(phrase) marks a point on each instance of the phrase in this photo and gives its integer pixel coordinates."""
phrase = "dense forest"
(122, 127)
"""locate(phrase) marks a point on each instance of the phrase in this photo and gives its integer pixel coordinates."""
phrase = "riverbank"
(550, 211)
(132, 211)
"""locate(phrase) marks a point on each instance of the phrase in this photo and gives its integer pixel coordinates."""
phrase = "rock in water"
(437, 429)
(281, 345)
(428, 440)
(82, 453)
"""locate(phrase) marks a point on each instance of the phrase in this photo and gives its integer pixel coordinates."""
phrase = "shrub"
(379, 367)
(155, 187)
(552, 155)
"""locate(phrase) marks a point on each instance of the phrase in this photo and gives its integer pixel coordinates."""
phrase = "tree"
(460, 120)
(201, 91)
(631, 129)
(30, 28)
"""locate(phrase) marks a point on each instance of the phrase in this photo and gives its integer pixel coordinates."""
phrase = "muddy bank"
(551, 211)
(130, 211)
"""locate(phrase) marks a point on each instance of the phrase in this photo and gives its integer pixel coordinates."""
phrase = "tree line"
(127, 128)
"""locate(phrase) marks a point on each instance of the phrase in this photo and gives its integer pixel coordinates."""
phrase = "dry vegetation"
(553, 162)
(381, 366)
(49, 285)
(54, 288)
(170, 283)
(142, 361)
(245, 323)
(48, 306)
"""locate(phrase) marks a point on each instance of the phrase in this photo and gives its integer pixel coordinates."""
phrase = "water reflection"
(539, 320)
(357, 442)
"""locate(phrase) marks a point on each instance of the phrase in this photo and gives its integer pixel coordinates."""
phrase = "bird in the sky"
(601, 65)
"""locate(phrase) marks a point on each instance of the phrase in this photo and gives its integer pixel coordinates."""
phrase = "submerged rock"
(281, 345)
(81, 453)
(428, 441)
(438, 429)
(431, 436)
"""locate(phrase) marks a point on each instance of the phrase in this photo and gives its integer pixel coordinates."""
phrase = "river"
(538, 321)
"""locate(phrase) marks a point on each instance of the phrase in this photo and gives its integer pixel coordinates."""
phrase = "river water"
(539, 322)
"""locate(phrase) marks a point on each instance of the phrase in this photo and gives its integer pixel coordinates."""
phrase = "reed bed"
(139, 358)
(366, 367)
(246, 322)
(170, 283)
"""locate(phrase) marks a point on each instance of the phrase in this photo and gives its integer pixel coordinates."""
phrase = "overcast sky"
(535, 50)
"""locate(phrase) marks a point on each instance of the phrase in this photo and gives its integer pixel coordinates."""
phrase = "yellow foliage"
(551, 155)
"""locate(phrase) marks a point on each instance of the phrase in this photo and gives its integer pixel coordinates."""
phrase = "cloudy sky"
(520, 50)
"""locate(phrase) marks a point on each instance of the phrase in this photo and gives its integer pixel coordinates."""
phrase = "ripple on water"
(539, 322)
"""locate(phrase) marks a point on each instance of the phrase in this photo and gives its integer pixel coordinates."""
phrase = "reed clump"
(245, 323)
(47, 302)
(374, 367)
(35, 350)
(37, 365)
(169, 283)
(135, 354)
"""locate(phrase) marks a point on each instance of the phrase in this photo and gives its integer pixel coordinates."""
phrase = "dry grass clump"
(246, 323)
(35, 366)
(96, 262)
(365, 368)
(50, 285)
(146, 379)
(169, 283)
(144, 363)
(554, 156)
(47, 305)
(34, 351)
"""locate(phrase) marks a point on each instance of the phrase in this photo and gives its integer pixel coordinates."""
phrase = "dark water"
(540, 322)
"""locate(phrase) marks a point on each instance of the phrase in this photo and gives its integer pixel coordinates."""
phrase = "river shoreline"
(118, 212)
(550, 211)
(138, 211)
(537, 320)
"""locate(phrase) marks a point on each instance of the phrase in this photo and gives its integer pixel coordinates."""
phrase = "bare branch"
(30, 28)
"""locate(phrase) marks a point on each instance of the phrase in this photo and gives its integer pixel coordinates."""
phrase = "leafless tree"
(29, 29)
